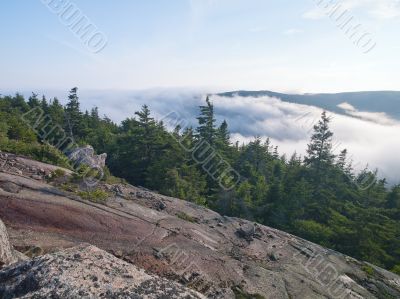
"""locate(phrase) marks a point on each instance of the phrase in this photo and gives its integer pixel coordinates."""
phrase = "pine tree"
(145, 120)
(94, 114)
(33, 101)
(56, 111)
(223, 142)
(223, 135)
(393, 198)
(276, 153)
(44, 105)
(206, 129)
(73, 114)
(319, 152)
(148, 133)
(342, 160)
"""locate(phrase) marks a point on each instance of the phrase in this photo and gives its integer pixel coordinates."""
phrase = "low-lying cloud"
(371, 138)
(377, 117)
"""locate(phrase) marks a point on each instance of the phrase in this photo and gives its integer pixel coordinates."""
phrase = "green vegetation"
(97, 195)
(56, 174)
(396, 270)
(186, 217)
(17, 137)
(69, 187)
(240, 294)
(317, 197)
(368, 269)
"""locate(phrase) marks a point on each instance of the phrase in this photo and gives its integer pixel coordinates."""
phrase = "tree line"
(317, 197)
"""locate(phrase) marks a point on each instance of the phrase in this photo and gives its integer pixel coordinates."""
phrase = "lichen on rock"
(85, 271)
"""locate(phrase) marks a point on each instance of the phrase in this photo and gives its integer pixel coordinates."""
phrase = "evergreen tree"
(223, 135)
(44, 105)
(33, 101)
(393, 198)
(73, 114)
(320, 148)
(319, 153)
(321, 199)
(56, 112)
(342, 160)
(206, 129)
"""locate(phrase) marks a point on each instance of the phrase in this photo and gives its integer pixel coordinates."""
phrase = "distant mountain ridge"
(369, 101)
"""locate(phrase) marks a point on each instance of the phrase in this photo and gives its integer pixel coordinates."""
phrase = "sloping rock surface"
(221, 257)
(85, 272)
(18, 165)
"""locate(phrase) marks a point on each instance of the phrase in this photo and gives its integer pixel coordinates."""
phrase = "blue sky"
(205, 44)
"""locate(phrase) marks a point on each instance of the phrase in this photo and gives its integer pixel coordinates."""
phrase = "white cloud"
(378, 9)
(367, 136)
(346, 106)
(377, 117)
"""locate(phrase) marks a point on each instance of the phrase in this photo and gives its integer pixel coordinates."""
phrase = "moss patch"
(186, 217)
(98, 195)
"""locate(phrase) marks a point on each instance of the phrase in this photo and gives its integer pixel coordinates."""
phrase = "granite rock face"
(7, 253)
(218, 256)
(22, 166)
(85, 272)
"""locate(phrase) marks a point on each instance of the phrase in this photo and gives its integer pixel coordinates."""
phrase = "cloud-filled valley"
(370, 137)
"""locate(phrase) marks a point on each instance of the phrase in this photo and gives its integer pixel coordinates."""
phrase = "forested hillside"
(318, 197)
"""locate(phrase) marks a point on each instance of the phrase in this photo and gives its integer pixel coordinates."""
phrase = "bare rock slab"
(85, 272)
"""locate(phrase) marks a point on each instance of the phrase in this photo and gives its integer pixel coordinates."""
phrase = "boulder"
(7, 254)
(6, 251)
(246, 231)
(86, 155)
(85, 272)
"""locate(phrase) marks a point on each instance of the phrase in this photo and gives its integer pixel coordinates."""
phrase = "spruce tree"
(33, 101)
(73, 114)
(319, 152)
(342, 160)
(393, 198)
(206, 129)
(223, 135)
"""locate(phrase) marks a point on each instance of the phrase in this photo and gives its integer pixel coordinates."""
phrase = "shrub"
(41, 152)
(84, 171)
(186, 217)
(58, 173)
(368, 269)
(69, 187)
(396, 270)
(97, 196)
(241, 294)
(110, 179)
(313, 231)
